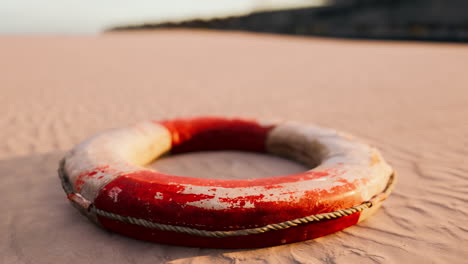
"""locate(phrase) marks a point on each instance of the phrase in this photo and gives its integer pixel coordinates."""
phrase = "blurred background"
(432, 20)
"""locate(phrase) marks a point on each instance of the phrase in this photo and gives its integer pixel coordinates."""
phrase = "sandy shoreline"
(408, 99)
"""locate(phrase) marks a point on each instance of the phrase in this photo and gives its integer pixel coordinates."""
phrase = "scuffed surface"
(408, 99)
(98, 160)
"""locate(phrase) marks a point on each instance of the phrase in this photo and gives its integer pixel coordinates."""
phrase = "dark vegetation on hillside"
(434, 20)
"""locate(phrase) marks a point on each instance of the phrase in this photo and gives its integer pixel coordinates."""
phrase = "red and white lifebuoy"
(104, 177)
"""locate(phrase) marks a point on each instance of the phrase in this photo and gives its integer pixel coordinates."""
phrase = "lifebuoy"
(105, 179)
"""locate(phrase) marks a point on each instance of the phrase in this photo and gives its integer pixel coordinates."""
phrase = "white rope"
(240, 232)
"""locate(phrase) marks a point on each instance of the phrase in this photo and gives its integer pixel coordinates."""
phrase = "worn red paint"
(271, 182)
(81, 179)
(214, 133)
(79, 183)
(242, 200)
(172, 206)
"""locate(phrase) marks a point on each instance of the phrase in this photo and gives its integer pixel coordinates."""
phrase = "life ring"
(105, 179)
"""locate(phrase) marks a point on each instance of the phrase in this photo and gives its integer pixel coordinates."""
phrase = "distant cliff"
(435, 20)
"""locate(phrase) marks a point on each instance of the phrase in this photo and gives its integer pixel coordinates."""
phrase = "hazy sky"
(87, 16)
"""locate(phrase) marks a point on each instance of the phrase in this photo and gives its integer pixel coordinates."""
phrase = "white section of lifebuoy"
(119, 151)
(326, 149)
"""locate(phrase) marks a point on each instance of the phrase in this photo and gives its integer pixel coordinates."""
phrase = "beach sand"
(409, 99)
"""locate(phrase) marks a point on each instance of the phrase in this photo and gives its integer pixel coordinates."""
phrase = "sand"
(408, 99)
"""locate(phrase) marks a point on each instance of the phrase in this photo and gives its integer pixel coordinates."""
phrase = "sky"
(90, 17)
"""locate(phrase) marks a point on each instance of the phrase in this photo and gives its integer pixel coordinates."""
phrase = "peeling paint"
(114, 193)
